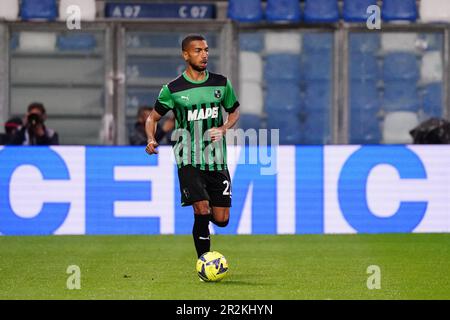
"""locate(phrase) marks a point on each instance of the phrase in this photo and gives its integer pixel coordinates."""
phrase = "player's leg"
(219, 191)
(193, 192)
(200, 231)
(220, 216)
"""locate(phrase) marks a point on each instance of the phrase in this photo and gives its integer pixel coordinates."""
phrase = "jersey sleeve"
(164, 103)
(230, 102)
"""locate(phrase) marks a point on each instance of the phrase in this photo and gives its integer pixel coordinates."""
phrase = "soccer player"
(196, 98)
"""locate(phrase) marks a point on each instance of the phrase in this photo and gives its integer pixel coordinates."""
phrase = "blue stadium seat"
(356, 10)
(363, 67)
(321, 11)
(42, 10)
(283, 10)
(283, 97)
(76, 41)
(432, 100)
(364, 127)
(432, 41)
(364, 95)
(138, 68)
(317, 96)
(283, 67)
(317, 127)
(245, 10)
(364, 42)
(401, 95)
(251, 41)
(314, 42)
(317, 66)
(290, 127)
(137, 97)
(400, 66)
(399, 10)
(250, 121)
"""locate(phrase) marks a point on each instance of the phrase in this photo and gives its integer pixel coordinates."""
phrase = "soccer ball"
(212, 266)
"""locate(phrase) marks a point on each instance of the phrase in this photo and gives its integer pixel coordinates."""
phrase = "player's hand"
(151, 147)
(216, 134)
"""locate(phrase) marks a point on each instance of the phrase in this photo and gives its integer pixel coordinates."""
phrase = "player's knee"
(222, 224)
(201, 207)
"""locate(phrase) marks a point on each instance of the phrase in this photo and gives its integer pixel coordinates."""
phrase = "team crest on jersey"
(217, 94)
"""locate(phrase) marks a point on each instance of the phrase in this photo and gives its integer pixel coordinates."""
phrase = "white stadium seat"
(431, 69)
(37, 41)
(251, 98)
(9, 9)
(87, 9)
(397, 125)
(435, 10)
(391, 42)
(283, 42)
(250, 66)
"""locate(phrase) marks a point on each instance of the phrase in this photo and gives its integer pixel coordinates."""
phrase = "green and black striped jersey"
(197, 108)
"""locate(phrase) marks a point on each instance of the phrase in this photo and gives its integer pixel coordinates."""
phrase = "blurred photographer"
(34, 132)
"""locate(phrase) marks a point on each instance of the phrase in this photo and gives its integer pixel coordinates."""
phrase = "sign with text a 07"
(160, 11)
(311, 190)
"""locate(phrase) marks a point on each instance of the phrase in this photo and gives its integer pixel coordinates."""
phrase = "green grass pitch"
(413, 266)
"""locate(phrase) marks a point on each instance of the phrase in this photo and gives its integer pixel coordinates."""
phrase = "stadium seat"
(432, 67)
(283, 11)
(431, 41)
(290, 128)
(400, 65)
(250, 121)
(9, 9)
(76, 42)
(317, 127)
(137, 97)
(321, 11)
(364, 127)
(435, 11)
(364, 42)
(356, 10)
(87, 9)
(401, 95)
(363, 67)
(250, 66)
(251, 98)
(37, 41)
(283, 42)
(284, 98)
(251, 41)
(394, 10)
(317, 66)
(245, 10)
(282, 67)
(395, 41)
(397, 125)
(314, 42)
(317, 96)
(433, 100)
(38, 10)
(363, 95)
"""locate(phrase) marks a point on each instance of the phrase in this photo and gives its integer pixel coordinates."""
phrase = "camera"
(34, 119)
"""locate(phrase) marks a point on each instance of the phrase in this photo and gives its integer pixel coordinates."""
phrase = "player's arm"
(163, 104)
(150, 130)
(231, 105)
(218, 133)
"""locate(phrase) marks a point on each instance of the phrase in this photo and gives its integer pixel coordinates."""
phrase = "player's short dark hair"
(188, 39)
(37, 105)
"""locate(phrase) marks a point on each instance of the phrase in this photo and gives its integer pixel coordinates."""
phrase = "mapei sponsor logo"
(194, 115)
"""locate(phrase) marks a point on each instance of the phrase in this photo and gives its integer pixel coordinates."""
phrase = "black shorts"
(197, 185)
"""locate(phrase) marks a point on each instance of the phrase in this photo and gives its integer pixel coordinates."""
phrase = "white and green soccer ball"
(212, 266)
